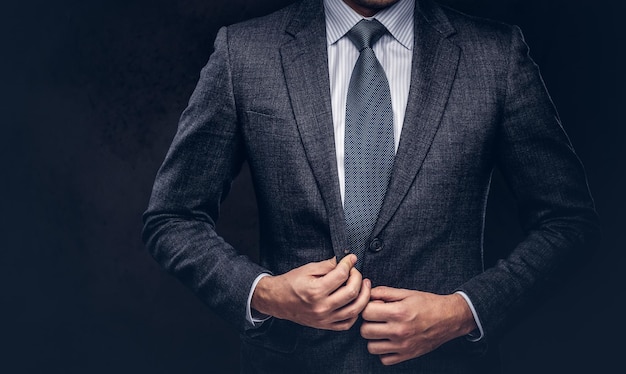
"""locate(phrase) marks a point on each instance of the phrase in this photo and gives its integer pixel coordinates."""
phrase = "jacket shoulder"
(481, 38)
(472, 26)
(264, 29)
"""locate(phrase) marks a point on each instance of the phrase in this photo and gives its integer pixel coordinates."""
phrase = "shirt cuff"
(478, 334)
(258, 318)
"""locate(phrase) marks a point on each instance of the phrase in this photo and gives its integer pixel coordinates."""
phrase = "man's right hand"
(325, 295)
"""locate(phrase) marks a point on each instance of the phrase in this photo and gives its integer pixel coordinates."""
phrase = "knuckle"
(404, 334)
(307, 299)
(313, 289)
(319, 310)
(399, 314)
(405, 345)
(396, 333)
(353, 293)
(313, 293)
(353, 311)
(350, 297)
(344, 270)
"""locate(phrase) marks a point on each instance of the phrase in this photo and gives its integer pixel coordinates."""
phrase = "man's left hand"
(403, 324)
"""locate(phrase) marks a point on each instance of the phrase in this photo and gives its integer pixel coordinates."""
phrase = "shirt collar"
(398, 19)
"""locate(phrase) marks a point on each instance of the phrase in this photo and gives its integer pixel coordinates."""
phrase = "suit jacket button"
(376, 245)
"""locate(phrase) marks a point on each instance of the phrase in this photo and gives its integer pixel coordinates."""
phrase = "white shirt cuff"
(474, 336)
(258, 318)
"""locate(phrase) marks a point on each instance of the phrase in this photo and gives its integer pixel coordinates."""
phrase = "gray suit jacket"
(476, 102)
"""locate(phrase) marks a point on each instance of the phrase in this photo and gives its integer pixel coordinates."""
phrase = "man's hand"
(403, 324)
(325, 295)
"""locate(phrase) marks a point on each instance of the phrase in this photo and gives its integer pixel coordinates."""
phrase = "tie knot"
(366, 33)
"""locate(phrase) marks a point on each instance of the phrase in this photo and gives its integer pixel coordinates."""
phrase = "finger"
(339, 275)
(392, 359)
(389, 293)
(377, 311)
(375, 330)
(353, 309)
(343, 325)
(321, 268)
(348, 292)
(381, 347)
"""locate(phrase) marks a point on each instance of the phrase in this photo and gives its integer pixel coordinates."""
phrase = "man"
(371, 146)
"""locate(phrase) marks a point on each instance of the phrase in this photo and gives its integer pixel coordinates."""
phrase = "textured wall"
(91, 92)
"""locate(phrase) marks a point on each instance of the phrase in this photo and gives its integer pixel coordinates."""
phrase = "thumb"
(323, 267)
(388, 294)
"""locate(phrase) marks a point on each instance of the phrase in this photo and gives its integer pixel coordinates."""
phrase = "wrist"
(463, 315)
(262, 298)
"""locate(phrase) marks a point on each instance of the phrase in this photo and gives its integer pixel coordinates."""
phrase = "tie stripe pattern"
(369, 144)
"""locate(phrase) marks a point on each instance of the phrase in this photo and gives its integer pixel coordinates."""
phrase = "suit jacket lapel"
(305, 65)
(435, 60)
(434, 65)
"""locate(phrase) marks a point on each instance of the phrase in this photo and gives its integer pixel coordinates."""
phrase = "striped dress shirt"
(394, 51)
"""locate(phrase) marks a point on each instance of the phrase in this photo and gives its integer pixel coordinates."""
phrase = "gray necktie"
(369, 146)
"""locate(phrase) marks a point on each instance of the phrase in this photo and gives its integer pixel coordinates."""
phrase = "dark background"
(91, 94)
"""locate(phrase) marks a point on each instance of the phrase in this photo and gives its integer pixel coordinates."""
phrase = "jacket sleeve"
(179, 223)
(547, 179)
